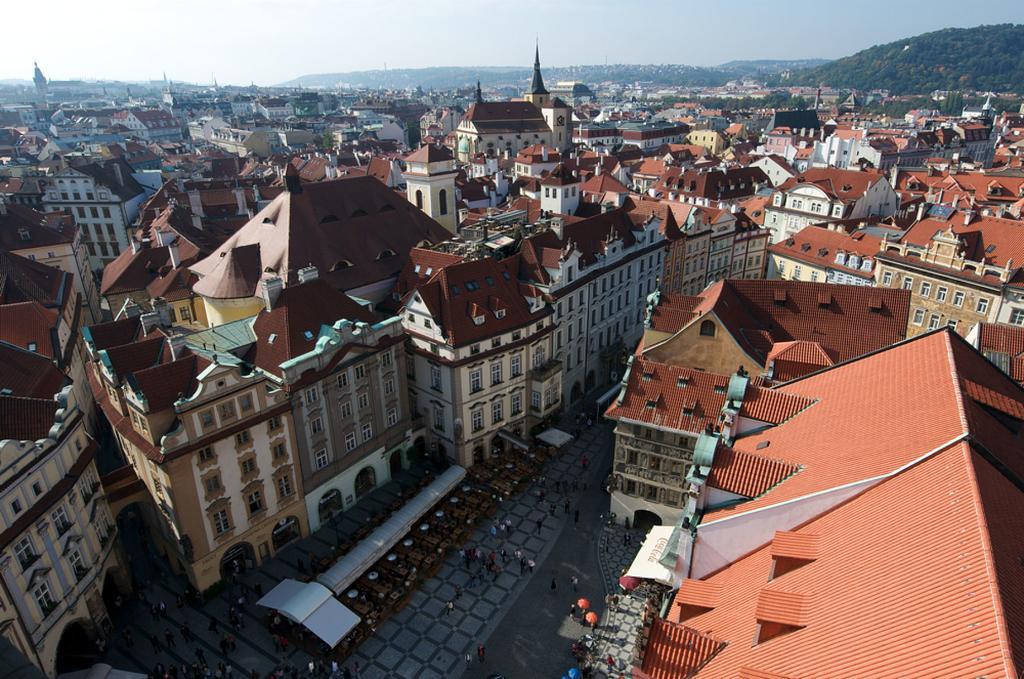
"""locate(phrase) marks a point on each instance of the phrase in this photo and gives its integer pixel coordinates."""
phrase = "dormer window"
(500, 313)
(478, 320)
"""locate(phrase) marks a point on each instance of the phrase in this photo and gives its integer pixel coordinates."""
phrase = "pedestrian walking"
(540, 522)
(163, 609)
(469, 660)
(185, 632)
(126, 634)
(554, 586)
(565, 507)
(458, 592)
(531, 563)
(480, 652)
(572, 611)
(576, 517)
(574, 581)
(450, 607)
(154, 642)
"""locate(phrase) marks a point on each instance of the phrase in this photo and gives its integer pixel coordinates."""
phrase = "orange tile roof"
(677, 651)
(747, 474)
(934, 592)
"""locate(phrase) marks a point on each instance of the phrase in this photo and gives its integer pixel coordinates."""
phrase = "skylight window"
(652, 404)
(308, 334)
(273, 336)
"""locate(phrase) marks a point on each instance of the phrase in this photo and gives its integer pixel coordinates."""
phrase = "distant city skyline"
(272, 41)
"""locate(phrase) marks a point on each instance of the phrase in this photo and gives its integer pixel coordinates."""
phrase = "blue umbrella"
(574, 674)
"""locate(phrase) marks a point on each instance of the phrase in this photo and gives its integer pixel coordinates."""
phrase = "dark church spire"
(479, 94)
(537, 84)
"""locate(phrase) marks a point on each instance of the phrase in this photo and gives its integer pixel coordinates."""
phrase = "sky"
(270, 41)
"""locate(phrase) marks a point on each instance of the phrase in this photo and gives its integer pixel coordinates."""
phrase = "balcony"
(546, 370)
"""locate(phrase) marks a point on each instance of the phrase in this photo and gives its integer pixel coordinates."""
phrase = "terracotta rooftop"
(1004, 346)
(356, 231)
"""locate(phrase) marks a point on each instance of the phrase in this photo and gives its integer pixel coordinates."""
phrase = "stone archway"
(478, 454)
(286, 530)
(76, 649)
(238, 556)
(330, 504)
(418, 450)
(395, 463)
(644, 519)
(497, 446)
(366, 480)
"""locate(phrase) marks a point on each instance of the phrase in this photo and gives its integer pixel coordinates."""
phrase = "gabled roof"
(292, 327)
(487, 289)
(355, 230)
(1004, 346)
(24, 280)
(429, 153)
(883, 596)
(22, 227)
(845, 185)
(28, 374)
(845, 320)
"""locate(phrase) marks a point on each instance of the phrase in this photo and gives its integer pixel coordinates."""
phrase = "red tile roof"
(28, 374)
(747, 474)
(846, 185)
(1004, 344)
(845, 320)
(30, 323)
(994, 240)
(429, 153)
(676, 651)
(818, 246)
(26, 419)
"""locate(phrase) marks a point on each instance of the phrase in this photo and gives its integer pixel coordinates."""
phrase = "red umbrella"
(629, 583)
(591, 617)
(583, 604)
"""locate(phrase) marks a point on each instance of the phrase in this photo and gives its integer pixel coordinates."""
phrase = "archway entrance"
(329, 505)
(76, 649)
(591, 380)
(497, 446)
(577, 392)
(237, 558)
(285, 531)
(643, 520)
(418, 450)
(478, 454)
(113, 597)
(366, 479)
(395, 464)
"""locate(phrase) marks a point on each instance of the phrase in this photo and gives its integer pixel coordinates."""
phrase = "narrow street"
(534, 636)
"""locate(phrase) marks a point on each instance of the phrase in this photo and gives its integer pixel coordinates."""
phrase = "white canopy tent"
(554, 437)
(311, 604)
(349, 567)
(647, 564)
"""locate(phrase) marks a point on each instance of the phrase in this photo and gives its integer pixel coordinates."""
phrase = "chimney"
(920, 211)
(177, 345)
(272, 288)
(195, 203)
(149, 320)
(968, 216)
(172, 252)
(130, 310)
(558, 226)
(243, 207)
(544, 153)
(308, 273)
(162, 310)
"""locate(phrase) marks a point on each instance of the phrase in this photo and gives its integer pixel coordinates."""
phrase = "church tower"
(40, 81)
(537, 94)
(430, 183)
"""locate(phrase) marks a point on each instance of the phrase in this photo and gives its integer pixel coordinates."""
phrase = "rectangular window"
(364, 401)
(279, 451)
(242, 437)
(312, 395)
(926, 289)
(435, 377)
(60, 520)
(517, 365)
(367, 431)
(44, 599)
(438, 418)
(982, 305)
(933, 321)
(517, 404)
(496, 412)
(389, 386)
(1017, 317)
(343, 379)
(24, 552)
(316, 425)
(350, 441)
(360, 372)
(918, 316)
(535, 400)
(284, 486)
(221, 524)
(205, 454)
(346, 408)
(495, 373)
(385, 359)
(212, 483)
(941, 293)
(477, 419)
(475, 381)
(274, 423)
(248, 465)
(255, 501)
(321, 459)
(392, 418)
(908, 283)
(958, 299)
(474, 349)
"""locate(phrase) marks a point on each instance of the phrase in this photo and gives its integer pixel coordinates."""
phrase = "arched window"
(419, 199)
(366, 479)
(443, 197)
(707, 328)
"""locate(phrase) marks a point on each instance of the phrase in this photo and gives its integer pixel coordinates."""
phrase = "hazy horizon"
(269, 42)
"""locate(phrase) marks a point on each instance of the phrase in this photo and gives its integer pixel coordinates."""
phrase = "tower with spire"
(40, 82)
(537, 94)
(479, 94)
